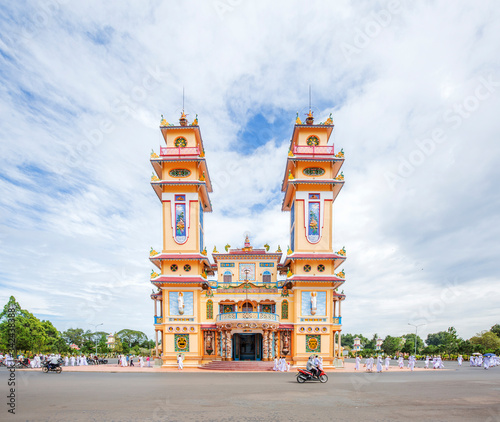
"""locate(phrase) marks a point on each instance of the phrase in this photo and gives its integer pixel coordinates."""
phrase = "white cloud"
(82, 91)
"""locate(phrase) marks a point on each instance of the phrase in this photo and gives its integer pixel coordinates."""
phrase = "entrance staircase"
(246, 365)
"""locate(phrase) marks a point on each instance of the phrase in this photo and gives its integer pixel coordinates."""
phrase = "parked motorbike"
(305, 375)
(103, 361)
(51, 367)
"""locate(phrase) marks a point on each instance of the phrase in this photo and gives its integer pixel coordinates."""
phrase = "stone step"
(238, 366)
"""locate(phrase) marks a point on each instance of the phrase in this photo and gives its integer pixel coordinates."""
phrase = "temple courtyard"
(435, 395)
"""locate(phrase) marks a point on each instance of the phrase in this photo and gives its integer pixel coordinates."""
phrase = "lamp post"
(416, 329)
(95, 330)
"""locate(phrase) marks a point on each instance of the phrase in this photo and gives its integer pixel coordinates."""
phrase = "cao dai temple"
(248, 303)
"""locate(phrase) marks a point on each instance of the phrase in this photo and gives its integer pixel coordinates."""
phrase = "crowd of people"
(281, 365)
(37, 360)
(436, 362)
(128, 360)
(486, 362)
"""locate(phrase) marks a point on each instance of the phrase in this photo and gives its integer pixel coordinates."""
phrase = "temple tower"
(182, 183)
(311, 184)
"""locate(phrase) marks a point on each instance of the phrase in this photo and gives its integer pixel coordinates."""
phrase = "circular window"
(321, 268)
(313, 141)
(187, 267)
(307, 268)
(174, 268)
(313, 171)
(181, 172)
(180, 142)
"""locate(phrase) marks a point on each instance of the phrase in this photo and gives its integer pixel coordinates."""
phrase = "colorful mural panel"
(313, 222)
(313, 343)
(180, 223)
(181, 342)
(210, 309)
(284, 309)
(251, 272)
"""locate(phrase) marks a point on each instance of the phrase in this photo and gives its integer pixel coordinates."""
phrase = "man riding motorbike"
(53, 362)
(311, 367)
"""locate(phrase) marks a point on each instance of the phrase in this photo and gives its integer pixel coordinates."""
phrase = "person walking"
(180, 363)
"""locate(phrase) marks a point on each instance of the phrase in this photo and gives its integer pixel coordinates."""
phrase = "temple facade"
(248, 303)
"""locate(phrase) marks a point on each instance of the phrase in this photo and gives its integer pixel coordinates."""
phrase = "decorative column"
(156, 342)
(229, 346)
(223, 343)
(265, 345)
(340, 343)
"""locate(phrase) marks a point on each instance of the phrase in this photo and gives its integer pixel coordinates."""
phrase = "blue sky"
(413, 89)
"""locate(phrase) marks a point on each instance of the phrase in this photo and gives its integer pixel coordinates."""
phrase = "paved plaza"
(467, 394)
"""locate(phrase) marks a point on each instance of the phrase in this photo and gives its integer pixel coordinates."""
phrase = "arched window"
(284, 309)
(247, 307)
(228, 277)
(266, 277)
(210, 309)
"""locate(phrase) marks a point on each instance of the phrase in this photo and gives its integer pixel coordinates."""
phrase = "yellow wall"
(305, 133)
(189, 135)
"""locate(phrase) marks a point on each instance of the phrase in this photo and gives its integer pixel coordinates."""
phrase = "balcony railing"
(261, 316)
(310, 150)
(174, 151)
(337, 320)
(158, 320)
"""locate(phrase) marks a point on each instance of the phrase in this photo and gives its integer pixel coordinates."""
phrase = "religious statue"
(180, 303)
(286, 344)
(209, 343)
(313, 303)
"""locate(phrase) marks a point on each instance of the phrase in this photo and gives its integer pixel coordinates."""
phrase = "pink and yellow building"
(248, 303)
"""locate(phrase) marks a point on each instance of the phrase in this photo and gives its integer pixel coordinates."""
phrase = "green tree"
(496, 329)
(436, 339)
(409, 346)
(392, 345)
(489, 340)
(132, 338)
(74, 336)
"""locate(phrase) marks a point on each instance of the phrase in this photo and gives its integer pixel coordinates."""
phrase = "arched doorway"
(247, 346)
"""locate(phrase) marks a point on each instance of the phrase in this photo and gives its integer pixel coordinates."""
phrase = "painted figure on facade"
(313, 303)
(180, 303)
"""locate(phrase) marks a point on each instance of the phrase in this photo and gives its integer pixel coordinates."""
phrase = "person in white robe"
(460, 360)
(287, 366)
(141, 361)
(471, 361)
(320, 366)
(124, 361)
(412, 362)
(72, 360)
(356, 365)
(282, 364)
(38, 361)
(427, 359)
(379, 364)
(435, 363)
(479, 361)
(180, 364)
(441, 364)
(387, 362)
(32, 362)
(66, 361)
(401, 362)
(275, 367)
(85, 360)
(486, 362)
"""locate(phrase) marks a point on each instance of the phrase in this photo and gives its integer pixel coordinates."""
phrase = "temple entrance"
(247, 346)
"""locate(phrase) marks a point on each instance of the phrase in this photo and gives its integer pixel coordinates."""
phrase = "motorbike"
(103, 361)
(305, 375)
(51, 367)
